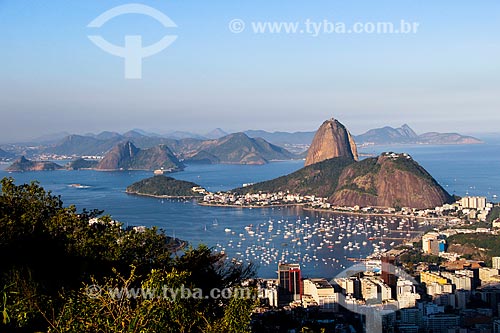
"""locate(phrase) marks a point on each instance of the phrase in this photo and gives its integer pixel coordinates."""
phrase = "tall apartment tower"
(495, 262)
(389, 274)
(290, 283)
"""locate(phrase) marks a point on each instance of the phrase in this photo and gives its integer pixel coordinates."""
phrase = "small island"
(166, 187)
(22, 164)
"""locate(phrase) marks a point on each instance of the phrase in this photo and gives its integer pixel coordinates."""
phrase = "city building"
(268, 291)
(474, 202)
(290, 284)
(434, 243)
(460, 280)
(496, 326)
(388, 273)
(428, 278)
(441, 323)
(351, 286)
(411, 316)
(487, 275)
(323, 293)
(369, 290)
(406, 294)
(435, 288)
(496, 262)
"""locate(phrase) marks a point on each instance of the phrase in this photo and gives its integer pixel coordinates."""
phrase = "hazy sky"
(445, 77)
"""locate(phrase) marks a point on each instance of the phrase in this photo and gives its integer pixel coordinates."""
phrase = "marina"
(324, 242)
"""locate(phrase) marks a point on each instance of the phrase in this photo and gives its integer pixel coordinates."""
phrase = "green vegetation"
(411, 166)
(412, 257)
(490, 243)
(163, 186)
(493, 214)
(51, 256)
(319, 179)
(81, 163)
(366, 168)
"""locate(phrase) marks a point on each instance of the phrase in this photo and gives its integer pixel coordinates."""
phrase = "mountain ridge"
(405, 135)
(126, 156)
(239, 148)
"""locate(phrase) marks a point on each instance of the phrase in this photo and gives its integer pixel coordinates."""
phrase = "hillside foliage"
(51, 256)
(163, 186)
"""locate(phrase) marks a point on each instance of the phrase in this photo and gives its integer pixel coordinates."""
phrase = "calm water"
(471, 169)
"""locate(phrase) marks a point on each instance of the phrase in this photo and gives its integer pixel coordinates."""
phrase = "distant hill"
(238, 148)
(5, 155)
(216, 134)
(81, 163)
(107, 135)
(283, 138)
(405, 135)
(23, 164)
(177, 135)
(49, 138)
(126, 156)
(447, 139)
(79, 145)
(163, 186)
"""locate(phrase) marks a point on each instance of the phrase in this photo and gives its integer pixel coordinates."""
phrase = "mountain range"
(233, 148)
(405, 135)
(134, 151)
(379, 136)
(5, 155)
(186, 142)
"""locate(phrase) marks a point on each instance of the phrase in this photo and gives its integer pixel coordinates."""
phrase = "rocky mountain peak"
(331, 140)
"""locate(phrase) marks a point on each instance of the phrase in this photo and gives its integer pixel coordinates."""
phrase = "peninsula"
(166, 187)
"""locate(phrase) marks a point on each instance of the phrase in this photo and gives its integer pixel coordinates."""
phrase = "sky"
(445, 77)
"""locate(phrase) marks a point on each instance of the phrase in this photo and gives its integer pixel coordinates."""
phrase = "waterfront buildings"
(478, 203)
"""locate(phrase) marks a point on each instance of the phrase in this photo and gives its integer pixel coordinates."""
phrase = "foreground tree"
(51, 257)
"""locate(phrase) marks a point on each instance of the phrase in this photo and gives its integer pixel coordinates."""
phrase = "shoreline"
(375, 214)
(323, 210)
(246, 206)
(163, 196)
